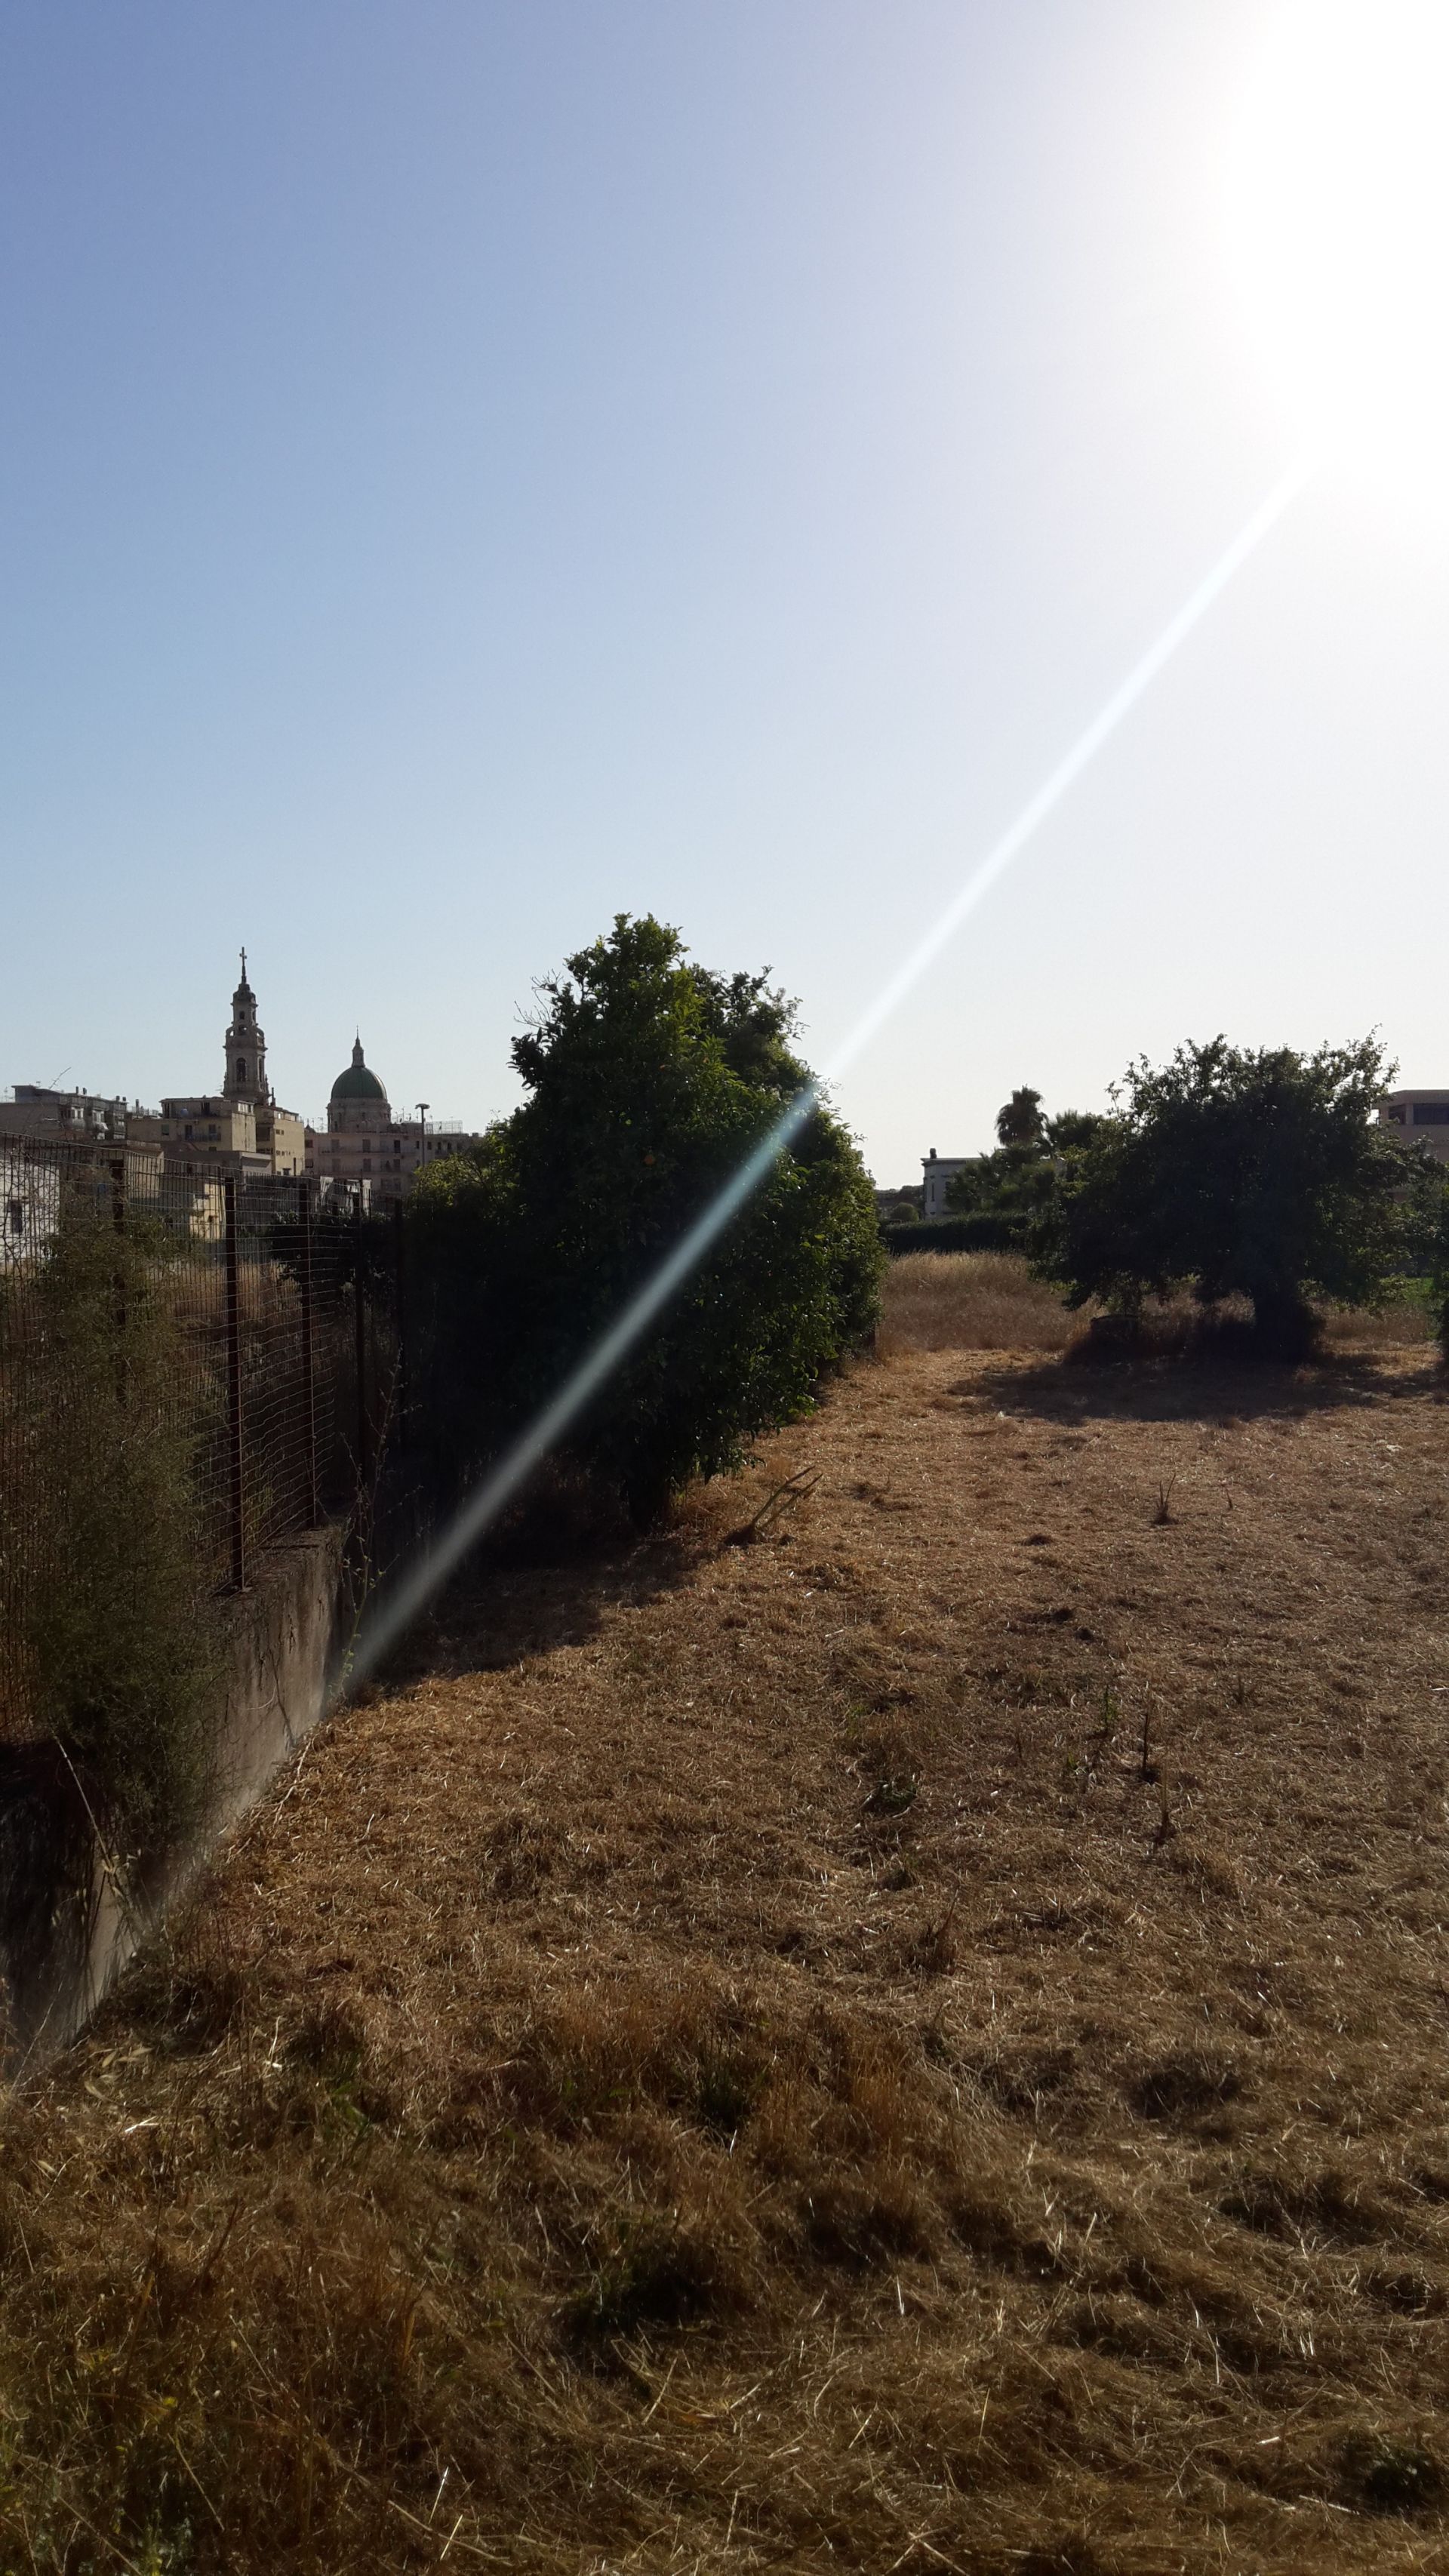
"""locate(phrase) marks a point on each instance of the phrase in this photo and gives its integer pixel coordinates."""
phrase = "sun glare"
(1339, 213)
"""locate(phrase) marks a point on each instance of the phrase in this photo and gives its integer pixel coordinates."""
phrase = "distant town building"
(205, 1134)
(937, 1171)
(83, 1117)
(41, 1174)
(239, 1133)
(367, 1152)
(245, 1079)
(1422, 1117)
(29, 1201)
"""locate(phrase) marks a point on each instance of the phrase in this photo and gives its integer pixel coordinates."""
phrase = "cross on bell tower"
(246, 1048)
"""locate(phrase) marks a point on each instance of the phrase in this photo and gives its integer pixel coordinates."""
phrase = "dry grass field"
(907, 2034)
(960, 1301)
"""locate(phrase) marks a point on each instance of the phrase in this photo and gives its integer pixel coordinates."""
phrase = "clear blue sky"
(475, 466)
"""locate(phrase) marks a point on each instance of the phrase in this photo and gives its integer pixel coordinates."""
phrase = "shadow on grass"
(1204, 1387)
(545, 1580)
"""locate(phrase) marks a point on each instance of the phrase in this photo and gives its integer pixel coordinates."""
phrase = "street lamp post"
(423, 1107)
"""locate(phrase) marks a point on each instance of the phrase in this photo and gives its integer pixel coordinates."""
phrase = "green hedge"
(955, 1234)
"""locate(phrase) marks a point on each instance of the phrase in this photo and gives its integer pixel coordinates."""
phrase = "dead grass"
(912, 2043)
(989, 1301)
(1406, 1323)
(970, 1301)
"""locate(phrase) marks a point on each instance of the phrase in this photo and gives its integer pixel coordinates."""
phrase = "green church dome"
(357, 1083)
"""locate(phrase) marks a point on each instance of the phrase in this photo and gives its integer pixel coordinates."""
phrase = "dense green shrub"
(649, 1081)
(1237, 1173)
(98, 1522)
(956, 1234)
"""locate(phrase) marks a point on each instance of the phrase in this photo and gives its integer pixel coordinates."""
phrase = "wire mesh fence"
(193, 1370)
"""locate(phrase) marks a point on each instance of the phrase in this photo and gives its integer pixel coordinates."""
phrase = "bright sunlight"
(1339, 208)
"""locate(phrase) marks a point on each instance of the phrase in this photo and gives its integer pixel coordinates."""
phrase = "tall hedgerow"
(649, 1081)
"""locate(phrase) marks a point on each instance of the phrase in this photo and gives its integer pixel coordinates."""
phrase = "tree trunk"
(1284, 1324)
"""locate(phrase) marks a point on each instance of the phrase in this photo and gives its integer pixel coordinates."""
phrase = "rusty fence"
(211, 1356)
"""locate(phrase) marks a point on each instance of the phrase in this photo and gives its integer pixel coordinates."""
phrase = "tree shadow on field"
(1202, 1388)
(549, 1577)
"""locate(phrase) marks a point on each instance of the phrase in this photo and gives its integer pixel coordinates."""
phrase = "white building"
(937, 1170)
(1422, 1117)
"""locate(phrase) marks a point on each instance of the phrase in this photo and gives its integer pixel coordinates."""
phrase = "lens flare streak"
(404, 1601)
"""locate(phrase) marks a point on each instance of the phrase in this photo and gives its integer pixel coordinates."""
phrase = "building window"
(241, 1068)
(1431, 1113)
(15, 1216)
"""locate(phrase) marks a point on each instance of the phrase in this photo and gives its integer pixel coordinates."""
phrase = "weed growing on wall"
(121, 1645)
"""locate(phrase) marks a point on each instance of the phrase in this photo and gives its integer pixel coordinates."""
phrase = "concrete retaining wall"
(65, 1930)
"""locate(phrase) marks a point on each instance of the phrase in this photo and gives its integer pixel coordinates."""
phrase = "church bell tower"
(246, 1048)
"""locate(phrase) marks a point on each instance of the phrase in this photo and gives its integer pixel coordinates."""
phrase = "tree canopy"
(1261, 1174)
(1020, 1121)
(1013, 1185)
(649, 1080)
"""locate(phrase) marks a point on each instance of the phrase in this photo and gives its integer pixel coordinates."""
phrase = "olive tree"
(1262, 1174)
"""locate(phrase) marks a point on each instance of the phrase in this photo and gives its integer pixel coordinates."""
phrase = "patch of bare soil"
(912, 2041)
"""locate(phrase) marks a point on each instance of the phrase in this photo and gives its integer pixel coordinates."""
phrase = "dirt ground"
(910, 2037)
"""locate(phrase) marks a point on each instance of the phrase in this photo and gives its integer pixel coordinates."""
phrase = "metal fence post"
(309, 1367)
(399, 1284)
(118, 1220)
(235, 1481)
(364, 1427)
